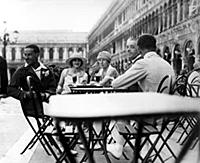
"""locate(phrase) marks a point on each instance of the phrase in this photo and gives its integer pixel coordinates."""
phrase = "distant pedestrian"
(3, 76)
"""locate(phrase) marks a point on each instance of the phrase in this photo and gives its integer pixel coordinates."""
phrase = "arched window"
(177, 60)
(167, 55)
(190, 54)
(70, 51)
(80, 49)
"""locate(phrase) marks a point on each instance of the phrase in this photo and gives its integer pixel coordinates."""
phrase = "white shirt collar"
(42, 66)
(150, 54)
(39, 68)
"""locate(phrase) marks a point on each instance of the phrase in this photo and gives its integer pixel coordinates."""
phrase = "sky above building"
(72, 15)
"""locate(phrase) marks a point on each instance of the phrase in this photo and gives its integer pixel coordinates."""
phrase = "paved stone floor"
(15, 134)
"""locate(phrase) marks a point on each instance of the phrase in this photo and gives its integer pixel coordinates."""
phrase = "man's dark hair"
(35, 48)
(147, 41)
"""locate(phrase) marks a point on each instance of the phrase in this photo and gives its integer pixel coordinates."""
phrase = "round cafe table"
(84, 107)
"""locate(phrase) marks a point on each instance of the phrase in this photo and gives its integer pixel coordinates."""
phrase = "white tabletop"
(118, 104)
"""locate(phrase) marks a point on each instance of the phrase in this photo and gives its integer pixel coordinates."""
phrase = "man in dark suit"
(42, 78)
(3, 76)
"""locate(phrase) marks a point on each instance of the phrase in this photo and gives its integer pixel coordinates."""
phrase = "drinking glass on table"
(98, 78)
(74, 79)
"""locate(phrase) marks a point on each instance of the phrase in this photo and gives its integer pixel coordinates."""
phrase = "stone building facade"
(175, 24)
(55, 46)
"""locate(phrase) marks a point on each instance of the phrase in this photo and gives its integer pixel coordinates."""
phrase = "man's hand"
(26, 95)
(45, 97)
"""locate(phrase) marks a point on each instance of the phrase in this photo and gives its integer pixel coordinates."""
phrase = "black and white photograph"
(99, 81)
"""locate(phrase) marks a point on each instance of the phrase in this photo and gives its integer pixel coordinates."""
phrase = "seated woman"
(106, 73)
(75, 75)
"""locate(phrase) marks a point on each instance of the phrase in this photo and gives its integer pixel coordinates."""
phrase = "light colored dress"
(107, 75)
(66, 79)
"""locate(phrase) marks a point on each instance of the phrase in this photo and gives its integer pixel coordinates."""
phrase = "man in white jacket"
(147, 72)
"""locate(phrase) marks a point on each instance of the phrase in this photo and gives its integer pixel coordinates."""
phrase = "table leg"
(104, 134)
(70, 158)
(86, 145)
(136, 153)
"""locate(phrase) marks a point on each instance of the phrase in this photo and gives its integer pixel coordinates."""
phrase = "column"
(84, 53)
(18, 53)
(173, 15)
(123, 44)
(55, 54)
(65, 53)
(74, 50)
(186, 9)
(46, 53)
(178, 11)
(8, 53)
(168, 16)
(8, 72)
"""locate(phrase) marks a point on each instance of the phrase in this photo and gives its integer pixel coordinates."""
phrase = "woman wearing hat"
(107, 73)
(75, 75)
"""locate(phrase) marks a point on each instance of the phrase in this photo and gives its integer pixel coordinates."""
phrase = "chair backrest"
(193, 90)
(180, 85)
(165, 84)
(33, 106)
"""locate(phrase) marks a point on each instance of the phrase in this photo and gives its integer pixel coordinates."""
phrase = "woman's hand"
(58, 90)
(94, 83)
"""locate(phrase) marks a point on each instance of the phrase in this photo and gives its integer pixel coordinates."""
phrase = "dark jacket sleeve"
(51, 84)
(14, 88)
(3, 76)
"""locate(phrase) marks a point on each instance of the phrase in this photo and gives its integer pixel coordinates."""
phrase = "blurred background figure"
(93, 71)
(3, 76)
(75, 75)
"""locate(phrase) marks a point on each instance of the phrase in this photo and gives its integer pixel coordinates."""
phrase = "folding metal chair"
(148, 128)
(33, 109)
(189, 122)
